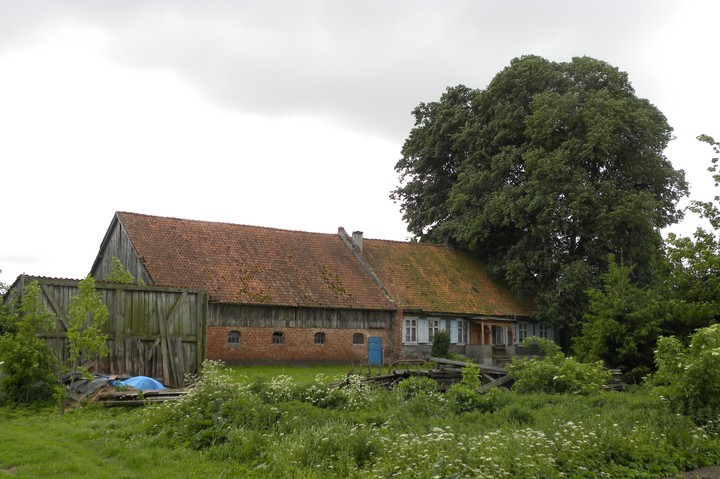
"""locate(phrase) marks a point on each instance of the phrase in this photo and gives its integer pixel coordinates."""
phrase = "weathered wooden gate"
(152, 331)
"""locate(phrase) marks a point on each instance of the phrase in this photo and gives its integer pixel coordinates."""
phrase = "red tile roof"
(433, 278)
(258, 265)
(253, 265)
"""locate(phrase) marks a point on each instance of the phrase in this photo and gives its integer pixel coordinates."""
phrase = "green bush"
(555, 373)
(441, 344)
(691, 375)
(461, 398)
(28, 367)
(416, 386)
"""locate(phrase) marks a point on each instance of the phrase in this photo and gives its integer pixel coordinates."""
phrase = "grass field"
(279, 422)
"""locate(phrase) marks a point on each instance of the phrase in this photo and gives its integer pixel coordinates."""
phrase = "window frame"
(500, 330)
(463, 331)
(410, 330)
(433, 328)
(355, 337)
(233, 338)
(543, 331)
(278, 337)
(320, 338)
(523, 331)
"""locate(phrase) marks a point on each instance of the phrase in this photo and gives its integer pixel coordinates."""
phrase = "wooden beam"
(53, 304)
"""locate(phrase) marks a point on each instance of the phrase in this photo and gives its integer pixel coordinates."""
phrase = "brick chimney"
(357, 238)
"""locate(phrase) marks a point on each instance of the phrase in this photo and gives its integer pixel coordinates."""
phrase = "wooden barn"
(274, 295)
(280, 296)
(152, 331)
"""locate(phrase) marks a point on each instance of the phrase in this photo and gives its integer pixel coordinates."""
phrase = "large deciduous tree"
(543, 174)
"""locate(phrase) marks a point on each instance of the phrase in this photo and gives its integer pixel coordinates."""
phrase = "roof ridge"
(244, 225)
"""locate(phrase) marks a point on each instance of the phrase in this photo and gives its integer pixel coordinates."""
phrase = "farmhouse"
(278, 296)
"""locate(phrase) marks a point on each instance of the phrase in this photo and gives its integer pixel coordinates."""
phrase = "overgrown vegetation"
(88, 315)
(118, 273)
(28, 366)
(279, 427)
(555, 373)
(689, 376)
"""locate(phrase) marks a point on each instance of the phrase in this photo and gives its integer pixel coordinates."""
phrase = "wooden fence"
(152, 331)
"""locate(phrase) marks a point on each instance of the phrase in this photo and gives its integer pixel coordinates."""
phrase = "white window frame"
(433, 328)
(545, 331)
(523, 331)
(410, 330)
(463, 330)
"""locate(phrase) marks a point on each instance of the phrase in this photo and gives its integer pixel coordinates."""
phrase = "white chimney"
(357, 238)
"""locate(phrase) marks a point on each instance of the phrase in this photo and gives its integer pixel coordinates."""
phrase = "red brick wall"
(256, 345)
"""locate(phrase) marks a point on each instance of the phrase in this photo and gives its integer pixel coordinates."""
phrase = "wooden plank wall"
(117, 243)
(153, 331)
(289, 317)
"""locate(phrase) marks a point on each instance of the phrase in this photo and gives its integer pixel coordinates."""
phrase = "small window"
(234, 338)
(433, 327)
(544, 331)
(522, 332)
(319, 338)
(278, 337)
(463, 328)
(358, 338)
(498, 335)
(411, 330)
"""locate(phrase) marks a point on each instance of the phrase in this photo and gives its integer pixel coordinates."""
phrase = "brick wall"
(256, 345)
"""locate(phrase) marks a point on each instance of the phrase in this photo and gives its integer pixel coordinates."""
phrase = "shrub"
(462, 399)
(441, 344)
(691, 374)
(199, 418)
(416, 386)
(29, 367)
(555, 373)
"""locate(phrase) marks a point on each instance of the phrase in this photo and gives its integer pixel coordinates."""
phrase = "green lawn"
(300, 374)
(94, 442)
(253, 422)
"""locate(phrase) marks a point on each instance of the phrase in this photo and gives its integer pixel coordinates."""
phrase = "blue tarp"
(143, 383)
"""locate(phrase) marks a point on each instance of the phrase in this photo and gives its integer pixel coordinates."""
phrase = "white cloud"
(283, 114)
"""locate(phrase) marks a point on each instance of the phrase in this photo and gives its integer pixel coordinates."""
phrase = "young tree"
(543, 174)
(622, 325)
(118, 273)
(29, 367)
(88, 315)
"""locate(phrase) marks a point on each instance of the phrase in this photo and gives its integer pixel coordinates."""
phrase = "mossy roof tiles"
(259, 265)
(433, 278)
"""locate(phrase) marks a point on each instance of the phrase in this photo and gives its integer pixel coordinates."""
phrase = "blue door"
(375, 351)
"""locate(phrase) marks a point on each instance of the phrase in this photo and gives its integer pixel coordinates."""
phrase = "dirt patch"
(712, 472)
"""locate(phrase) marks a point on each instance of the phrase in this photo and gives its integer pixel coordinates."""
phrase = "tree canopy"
(543, 174)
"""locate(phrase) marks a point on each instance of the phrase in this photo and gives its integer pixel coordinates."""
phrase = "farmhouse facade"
(279, 296)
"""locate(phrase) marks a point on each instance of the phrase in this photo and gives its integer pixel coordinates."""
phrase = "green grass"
(93, 442)
(252, 422)
(299, 374)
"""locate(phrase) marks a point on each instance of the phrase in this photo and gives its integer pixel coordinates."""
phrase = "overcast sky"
(288, 114)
